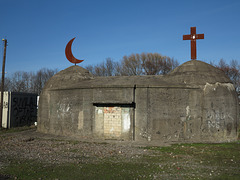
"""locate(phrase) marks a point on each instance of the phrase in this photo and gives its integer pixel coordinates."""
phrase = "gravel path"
(53, 149)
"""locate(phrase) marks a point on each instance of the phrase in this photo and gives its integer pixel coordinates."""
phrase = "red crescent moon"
(69, 55)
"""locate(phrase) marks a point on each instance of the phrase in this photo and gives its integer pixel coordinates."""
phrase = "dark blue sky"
(38, 30)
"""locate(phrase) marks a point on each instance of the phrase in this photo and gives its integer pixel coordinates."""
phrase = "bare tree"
(155, 64)
(7, 84)
(135, 64)
(41, 77)
(30, 82)
(232, 70)
(151, 63)
(100, 70)
(110, 67)
(19, 81)
(90, 68)
(131, 65)
(106, 68)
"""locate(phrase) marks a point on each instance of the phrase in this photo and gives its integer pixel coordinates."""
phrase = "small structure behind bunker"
(19, 109)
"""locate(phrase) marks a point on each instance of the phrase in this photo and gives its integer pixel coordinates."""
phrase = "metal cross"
(193, 36)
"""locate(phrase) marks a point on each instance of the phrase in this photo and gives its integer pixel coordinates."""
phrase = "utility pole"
(3, 74)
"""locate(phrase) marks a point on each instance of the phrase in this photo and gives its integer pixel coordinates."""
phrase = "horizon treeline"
(30, 82)
(132, 65)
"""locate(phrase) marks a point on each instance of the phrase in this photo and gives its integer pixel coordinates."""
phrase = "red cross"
(193, 36)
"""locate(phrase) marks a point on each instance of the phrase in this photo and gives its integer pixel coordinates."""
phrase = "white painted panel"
(126, 121)
(5, 114)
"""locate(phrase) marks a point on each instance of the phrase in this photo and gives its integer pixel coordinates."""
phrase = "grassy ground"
(181, 161)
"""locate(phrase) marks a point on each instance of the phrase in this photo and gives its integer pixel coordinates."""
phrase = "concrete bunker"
(196, 102)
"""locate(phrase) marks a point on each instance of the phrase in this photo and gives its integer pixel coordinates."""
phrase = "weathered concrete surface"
(196, 102)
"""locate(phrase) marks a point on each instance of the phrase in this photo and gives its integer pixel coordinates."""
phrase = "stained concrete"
(196, 102)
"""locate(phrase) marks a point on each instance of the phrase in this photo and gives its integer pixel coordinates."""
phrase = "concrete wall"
(67, 112)
(166, 113)
(207, 114)
(220, 112)
(161, 114)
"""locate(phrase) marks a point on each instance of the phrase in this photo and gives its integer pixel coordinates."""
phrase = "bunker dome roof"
(188, 75)
(198, 73)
